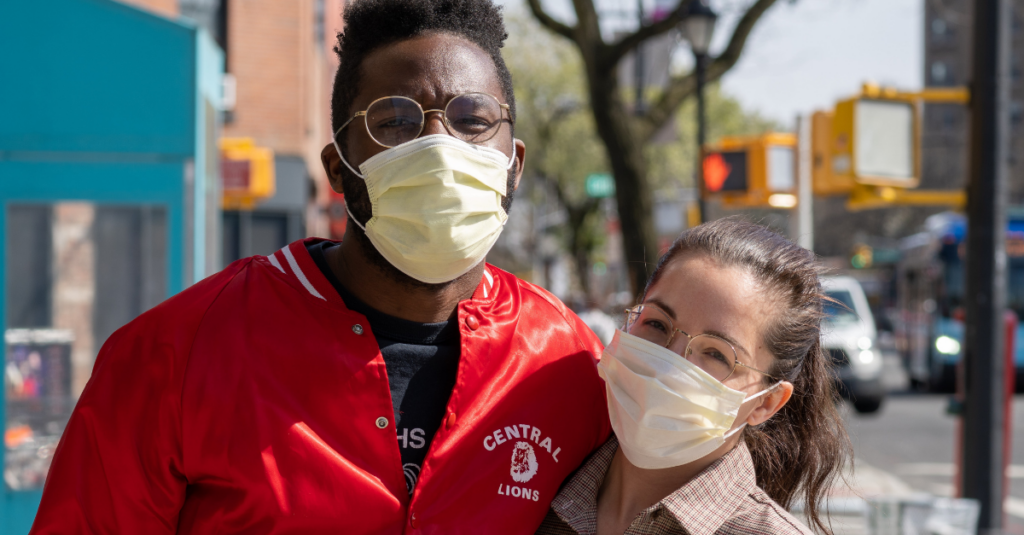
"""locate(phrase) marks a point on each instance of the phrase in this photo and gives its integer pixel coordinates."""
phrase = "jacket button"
(382, 422)
(357, 328)
(450, 421)
(473, 323)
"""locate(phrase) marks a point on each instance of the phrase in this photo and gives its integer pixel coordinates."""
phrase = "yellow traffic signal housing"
(824, 181)
(752, 171)
(876, 139)
(247, 173)
(864, 197)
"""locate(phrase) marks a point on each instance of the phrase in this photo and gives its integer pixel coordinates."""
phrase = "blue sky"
(805, 55)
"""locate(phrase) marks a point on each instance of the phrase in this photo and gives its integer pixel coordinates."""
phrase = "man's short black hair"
(371, 24)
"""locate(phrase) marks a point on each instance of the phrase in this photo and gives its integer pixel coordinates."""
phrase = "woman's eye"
(717, 355)
(655, 324)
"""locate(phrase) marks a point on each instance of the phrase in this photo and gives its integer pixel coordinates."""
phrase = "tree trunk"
(579, 243)
(632, 190)
(583, 272)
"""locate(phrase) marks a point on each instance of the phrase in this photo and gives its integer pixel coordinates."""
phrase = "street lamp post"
(698, 27)
(639, 63)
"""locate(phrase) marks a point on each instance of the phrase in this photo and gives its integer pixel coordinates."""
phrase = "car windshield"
(840, 309)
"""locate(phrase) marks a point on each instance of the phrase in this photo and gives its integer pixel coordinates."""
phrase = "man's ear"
(520, 164)
(332, 164)
(771, 403)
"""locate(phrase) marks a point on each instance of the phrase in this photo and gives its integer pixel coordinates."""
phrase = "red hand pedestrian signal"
(716, 170)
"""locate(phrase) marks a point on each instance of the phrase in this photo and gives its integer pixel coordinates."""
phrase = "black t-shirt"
(422, 360)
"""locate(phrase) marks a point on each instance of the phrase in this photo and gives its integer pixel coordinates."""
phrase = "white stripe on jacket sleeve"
(275, 262)
(298, 272)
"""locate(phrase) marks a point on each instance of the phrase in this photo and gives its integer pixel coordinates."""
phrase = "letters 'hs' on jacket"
(252, 403)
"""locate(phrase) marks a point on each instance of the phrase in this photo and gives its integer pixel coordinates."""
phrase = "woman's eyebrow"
(664, 306)
(729, 339)
(672, 313)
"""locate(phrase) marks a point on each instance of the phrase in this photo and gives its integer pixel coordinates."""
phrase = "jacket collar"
(701, 506)
(293, 263)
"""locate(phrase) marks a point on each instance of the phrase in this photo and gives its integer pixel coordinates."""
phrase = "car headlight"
(866, 356)
(864, 342)
(947, 345)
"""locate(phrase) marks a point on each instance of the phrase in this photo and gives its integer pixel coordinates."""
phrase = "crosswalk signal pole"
(985, 301)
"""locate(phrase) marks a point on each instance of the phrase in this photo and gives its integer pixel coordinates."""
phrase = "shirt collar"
(700, 506)
(576, 503)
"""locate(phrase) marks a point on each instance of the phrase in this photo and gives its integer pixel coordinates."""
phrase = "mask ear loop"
(512, 161)
(755, 396)
(334, 141)
(352, 217)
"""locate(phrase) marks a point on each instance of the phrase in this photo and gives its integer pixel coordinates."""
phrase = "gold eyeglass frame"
(634, 312)
(444, 117)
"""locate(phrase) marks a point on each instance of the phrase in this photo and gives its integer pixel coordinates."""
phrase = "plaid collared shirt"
(724, 499)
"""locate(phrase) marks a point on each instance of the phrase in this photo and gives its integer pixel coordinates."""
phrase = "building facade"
(280, 66)
(947, 34)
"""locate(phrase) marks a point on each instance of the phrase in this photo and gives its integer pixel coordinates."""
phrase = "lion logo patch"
(524, 463)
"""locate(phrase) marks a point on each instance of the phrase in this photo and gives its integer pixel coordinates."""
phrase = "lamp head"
(699, 26)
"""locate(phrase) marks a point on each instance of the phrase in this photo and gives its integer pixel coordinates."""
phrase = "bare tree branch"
(588, 26)
(550, 23)
(682, 87)
(628, 43)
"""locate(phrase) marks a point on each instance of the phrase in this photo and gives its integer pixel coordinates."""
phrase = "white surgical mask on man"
(665, 410)
(436, 204)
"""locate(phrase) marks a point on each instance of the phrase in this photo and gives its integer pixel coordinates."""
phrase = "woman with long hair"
(720, 396)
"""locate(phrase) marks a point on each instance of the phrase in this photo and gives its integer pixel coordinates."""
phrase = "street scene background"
(197, 142)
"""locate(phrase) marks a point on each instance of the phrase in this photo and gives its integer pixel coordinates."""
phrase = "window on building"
(940, 73)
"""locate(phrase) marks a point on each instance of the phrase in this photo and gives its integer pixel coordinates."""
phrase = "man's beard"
(359, 205)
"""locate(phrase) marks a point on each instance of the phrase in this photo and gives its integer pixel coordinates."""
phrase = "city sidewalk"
(847, 501)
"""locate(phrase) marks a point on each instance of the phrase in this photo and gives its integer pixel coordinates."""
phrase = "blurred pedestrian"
(720, 397)
(387, 383)
(603, 325)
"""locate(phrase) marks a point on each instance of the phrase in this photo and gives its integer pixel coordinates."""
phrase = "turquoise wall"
(106, 103)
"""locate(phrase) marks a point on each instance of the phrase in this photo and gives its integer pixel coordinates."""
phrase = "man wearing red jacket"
(268, 398)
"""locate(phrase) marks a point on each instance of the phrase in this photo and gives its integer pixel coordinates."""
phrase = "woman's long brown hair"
(801, 451)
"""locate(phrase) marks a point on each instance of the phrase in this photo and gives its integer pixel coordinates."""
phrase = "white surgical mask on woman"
(436, 204)
(665, 410)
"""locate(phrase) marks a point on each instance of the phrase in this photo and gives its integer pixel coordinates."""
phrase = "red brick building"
(281, 64)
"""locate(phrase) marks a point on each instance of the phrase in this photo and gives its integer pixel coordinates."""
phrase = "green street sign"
(600, 186)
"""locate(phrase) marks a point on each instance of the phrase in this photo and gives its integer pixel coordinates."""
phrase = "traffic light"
(824, 181)
(751, 171)
(876, 139)
(247, 173)
(869, 149)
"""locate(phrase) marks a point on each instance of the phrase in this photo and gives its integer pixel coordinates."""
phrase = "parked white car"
(850, 339)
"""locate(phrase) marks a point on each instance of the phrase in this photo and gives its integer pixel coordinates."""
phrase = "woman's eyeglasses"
(708, 352)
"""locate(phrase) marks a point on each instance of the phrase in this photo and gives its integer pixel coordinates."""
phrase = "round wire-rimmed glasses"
(471, 117)
(708, 352)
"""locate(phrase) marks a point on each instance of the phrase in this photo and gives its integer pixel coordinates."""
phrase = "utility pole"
(802, 218)
(701, 60)
(982, 476)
